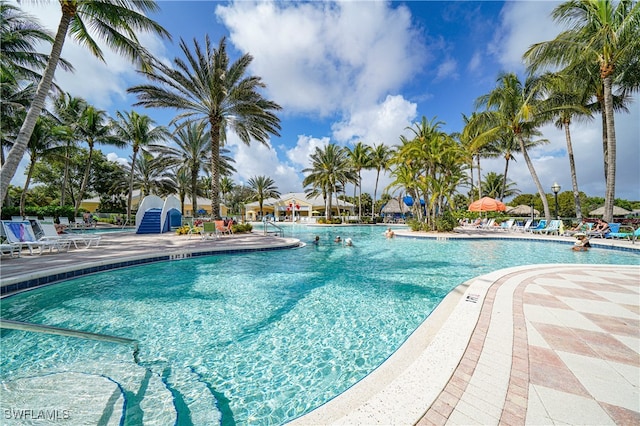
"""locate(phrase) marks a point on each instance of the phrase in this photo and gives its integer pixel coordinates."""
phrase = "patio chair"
(21, 234)
(523, 228)
(630, 235)
(541, 225)
(50, 233)
(613, 227)
(209, 231)
(10, 249)
(221, 228)
(554, 228)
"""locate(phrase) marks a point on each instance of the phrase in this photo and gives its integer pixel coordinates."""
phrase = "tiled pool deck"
(539, 344)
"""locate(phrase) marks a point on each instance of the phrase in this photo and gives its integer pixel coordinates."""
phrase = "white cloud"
(102, 84)
(327, 56)
(447, 70)
(112, 156)
(522, 24)
(306, 145)
(383, 123)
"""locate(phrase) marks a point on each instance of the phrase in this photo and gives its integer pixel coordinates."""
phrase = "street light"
(556, 188)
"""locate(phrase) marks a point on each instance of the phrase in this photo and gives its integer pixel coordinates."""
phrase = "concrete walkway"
(539, 344)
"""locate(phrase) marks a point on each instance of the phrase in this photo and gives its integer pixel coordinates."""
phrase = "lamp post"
(556, 188)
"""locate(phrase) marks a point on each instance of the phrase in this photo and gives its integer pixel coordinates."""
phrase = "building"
(295, 204)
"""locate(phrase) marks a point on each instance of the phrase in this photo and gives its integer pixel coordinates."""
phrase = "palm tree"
(263, 187)
(605, 33)
(226, 187)
(493, 186)
(207, 88)
(93, 127)
(41, 143)
(67, 111)
(379, 160)
(329, 167)
(512, 109)
(567, 99)
(141, 132)
(153, 176)
(360, 158)
(116, 22)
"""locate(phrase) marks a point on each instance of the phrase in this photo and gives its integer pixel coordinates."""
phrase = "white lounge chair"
(21, 234)
(50, 233)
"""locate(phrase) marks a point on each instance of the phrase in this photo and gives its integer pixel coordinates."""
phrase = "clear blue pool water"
(270, 335)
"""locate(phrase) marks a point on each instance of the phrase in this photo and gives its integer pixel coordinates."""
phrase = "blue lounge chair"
(541, 225)
(628, 235)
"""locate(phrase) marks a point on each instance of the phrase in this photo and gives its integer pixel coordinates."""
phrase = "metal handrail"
(49, 329)
(268, 222)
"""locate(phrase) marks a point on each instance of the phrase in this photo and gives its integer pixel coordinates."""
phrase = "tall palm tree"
(567, 99)
(379, 160)
(226, 188)
(67, 111)
(601, 32)
(93, 128)
(116, 23)
(140, 132)
(360, 158)
(329, 167)
(41, 143)
(263, 187)
(512, 108)
(153, 176)
(208, 88)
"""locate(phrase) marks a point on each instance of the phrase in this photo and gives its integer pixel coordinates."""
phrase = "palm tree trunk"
(375, 193)
(504, 178)
(65, 177)
(130, 198)
(610, 193)
(20, 145)
(534, 176)
(85, 181)
(23, 196)
(194, 192)
(572, 166)
(479, 179)
(215, 169)
(359, 196)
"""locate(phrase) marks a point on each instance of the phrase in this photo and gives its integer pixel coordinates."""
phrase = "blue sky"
(353, 71)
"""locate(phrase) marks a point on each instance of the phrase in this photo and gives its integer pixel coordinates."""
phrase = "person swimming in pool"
(582, 244)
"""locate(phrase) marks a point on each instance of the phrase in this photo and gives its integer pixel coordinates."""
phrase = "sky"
(351, 71)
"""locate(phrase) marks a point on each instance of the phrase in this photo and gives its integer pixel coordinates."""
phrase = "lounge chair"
(553, 228)
(50, 233)
(21, 234)
(522, 228)
(632, 235)
(613, 227)
(541, 225)
(10, 249)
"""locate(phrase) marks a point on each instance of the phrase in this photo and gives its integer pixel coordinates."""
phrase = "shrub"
(241, 228)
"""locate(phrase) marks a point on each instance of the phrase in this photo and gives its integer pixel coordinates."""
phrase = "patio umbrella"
(487, 204)
(617, 211)
(521, 210)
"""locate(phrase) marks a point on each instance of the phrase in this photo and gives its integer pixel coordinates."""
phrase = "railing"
(268, 223)
(48, 329)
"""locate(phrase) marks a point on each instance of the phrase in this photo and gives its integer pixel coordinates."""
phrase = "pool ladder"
(48, 329)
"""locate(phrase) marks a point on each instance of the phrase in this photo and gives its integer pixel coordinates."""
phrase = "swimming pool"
(256, 338)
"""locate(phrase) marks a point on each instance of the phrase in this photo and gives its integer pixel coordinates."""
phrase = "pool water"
(261, 337)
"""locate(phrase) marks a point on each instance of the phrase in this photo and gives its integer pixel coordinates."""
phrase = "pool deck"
(536, 344)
